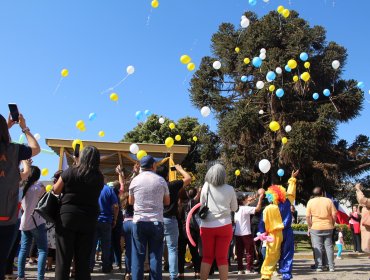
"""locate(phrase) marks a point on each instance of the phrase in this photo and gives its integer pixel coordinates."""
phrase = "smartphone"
(173, 168)
(76, 152)
(14, 112)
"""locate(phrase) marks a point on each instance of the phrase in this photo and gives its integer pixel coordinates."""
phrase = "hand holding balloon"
(264, 237)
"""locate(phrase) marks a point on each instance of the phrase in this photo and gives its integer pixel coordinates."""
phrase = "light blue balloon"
(315, 96)
(252, 2)
(281, 172)
(147, 113)
(257, 62)
(244, 79)
(326, 92)
(280, 92)
(139, 115)
(92, 117)
(303, 56)
(287, 68)
(271, 76)
(361, 85)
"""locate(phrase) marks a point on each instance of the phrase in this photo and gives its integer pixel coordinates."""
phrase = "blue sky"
(97, 40)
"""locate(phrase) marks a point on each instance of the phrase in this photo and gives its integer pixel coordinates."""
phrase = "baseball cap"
(147, 162)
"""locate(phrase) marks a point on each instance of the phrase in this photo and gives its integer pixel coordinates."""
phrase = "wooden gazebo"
(113, 153)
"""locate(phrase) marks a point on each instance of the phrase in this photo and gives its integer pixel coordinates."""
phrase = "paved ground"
(353, 267)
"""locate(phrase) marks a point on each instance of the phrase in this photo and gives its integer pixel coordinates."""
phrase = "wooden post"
(61, 156)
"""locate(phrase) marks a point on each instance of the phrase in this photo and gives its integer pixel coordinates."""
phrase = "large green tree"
(205, 149)
(246, 138)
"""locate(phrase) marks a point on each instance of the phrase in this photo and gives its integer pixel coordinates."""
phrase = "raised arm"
(185, 175)
(361, 199)
(292, 188)
(26, 169)
(32, 142)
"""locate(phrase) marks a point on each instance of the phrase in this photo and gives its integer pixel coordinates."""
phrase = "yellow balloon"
(247, 60)
(64, 73)
(75, 142)
(172, 126)
(284, 140)
(292, 64)
(83, 129)
(114, 97)
(237, 50)
(48, 188)
(80, 124)
(169, 142)
(140, 154)
(305, 76)
(295, 78)
(44, 172)
(274, 126)
(101, 133)
(237, 172)
(286, 13)
(280, 9)
(195, 139)
(307, 65)
(185, 59)
(271, 88)
(155, 4)
(178, 137)
(191, 66)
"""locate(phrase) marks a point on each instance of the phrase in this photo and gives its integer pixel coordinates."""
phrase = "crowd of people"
(153, 218)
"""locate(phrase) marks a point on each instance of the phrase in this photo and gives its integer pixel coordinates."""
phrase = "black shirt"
(174, 188)
(24, 153)
(257, 216)
(79, 203)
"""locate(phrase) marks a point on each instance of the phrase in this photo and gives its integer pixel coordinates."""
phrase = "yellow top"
(321, 210)
(272, 218)
(291, 191)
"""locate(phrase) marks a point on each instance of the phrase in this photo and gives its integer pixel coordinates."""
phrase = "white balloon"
(244, 23)
(161, 120)
(205, 111)
(134, 149)
(216, 65)
(263, 56)
(288, 128)
(335, 64)
(264, 165)
(37, 136)
(260, 85)
(130, 70)
(261, 112)
(266, 1)
(263, 50)
(278, 70)
(243, 17)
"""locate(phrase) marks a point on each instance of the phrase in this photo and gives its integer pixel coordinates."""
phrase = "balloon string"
(58, 85)
(148, 18)
(113, 87)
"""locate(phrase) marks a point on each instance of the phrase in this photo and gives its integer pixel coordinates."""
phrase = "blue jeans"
(104, 234)
(171, 235)
(127, 233)
(39, 234)
(147, 234)
(7, 234)
(340, 248)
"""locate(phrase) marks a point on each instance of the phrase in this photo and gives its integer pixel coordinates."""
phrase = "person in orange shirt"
(321, 215)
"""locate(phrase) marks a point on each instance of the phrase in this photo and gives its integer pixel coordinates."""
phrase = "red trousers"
(216, 242)
(245, 244)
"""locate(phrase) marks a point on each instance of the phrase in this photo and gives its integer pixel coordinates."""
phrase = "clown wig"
(276, 194)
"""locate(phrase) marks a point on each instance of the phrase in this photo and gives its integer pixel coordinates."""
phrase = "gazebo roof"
(113, 153)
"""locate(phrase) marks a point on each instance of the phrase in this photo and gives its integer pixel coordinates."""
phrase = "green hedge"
(302, 227)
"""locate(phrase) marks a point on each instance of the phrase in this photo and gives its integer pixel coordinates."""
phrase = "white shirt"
(340, 235)
(243, 220)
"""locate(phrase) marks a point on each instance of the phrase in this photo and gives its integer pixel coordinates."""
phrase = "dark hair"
(162, 171)
(192, 193)
(317, 192)
(4, 132)
(57, 175)
(89, 161)
(34, 176)
(124, 200)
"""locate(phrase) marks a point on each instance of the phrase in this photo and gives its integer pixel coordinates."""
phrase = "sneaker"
(313, 266)
(325, 268)
(332, 270)
(319, 270)
(250, 272)
(339, 258)
(241, 272)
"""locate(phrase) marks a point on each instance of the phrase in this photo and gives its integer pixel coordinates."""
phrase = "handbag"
(203, 211)
(48, 207)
